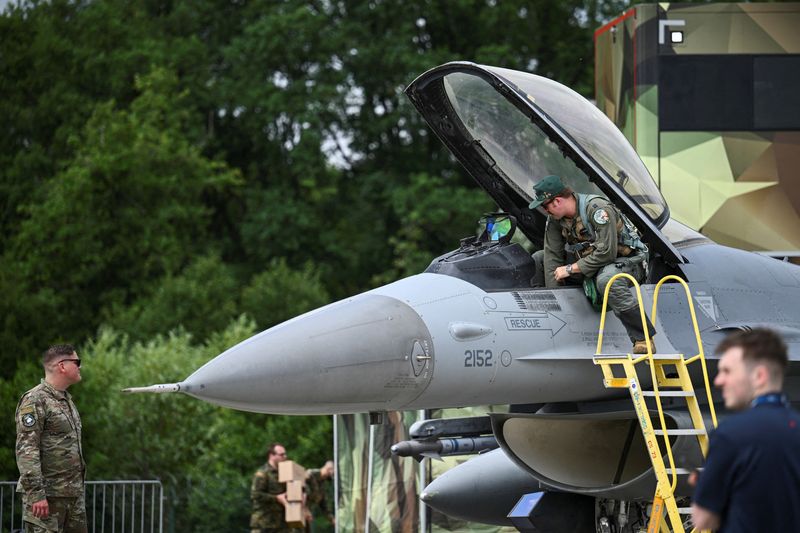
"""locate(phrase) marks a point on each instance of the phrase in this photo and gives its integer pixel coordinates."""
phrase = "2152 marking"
(477, 358)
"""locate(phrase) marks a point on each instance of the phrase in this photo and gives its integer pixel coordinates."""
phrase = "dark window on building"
(729, 92)
(776, 102)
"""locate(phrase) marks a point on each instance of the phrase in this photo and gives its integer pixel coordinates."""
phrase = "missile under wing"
(472, 329)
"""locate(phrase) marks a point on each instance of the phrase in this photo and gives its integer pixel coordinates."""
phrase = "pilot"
(602, 241)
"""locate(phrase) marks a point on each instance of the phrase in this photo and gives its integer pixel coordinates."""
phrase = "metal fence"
(126, 506)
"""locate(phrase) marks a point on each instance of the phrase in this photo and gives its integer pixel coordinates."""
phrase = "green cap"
(546, 190)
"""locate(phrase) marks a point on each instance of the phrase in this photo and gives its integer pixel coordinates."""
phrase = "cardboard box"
(294, 490)
(295, 514)
(289, 470)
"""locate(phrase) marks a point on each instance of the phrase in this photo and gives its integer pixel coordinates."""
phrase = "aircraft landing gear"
(618, 516)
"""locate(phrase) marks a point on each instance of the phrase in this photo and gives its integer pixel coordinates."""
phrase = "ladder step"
(680, 431)
(668, 393)
(624, 357)
(679, 471)
(684, 510)
(684, 471)
(617, 383)
(657, 356)
(667, 356)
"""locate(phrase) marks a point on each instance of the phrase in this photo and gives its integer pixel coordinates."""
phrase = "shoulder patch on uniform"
(28, 420)
(27, 409)
(601, 216)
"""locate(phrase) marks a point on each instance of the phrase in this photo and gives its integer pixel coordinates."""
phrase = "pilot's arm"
(554, 255)
(602, 215)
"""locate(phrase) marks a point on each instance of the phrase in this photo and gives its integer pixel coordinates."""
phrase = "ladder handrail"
(700, 352)
(605, 306)
(665, 491)
(648, 356)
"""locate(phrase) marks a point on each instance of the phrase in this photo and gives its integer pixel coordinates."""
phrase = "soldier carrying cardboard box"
(268, 495)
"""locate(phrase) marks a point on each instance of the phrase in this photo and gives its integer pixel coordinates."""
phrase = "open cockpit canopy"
(510, 129)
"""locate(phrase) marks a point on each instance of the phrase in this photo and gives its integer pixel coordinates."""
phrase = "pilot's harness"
(627, 236)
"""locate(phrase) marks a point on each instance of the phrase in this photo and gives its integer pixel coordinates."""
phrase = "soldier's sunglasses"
(76, 361)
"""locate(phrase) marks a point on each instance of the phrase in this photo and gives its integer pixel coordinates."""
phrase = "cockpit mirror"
(497, 227)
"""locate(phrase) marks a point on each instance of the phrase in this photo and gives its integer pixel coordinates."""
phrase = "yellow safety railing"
(648, 356)
(700, 352)
(666, 485)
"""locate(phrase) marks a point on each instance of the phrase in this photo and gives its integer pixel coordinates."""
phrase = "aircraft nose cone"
(368, 353)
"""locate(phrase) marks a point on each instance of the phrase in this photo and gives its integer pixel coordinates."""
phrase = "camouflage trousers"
(620, 298)
(67, 515)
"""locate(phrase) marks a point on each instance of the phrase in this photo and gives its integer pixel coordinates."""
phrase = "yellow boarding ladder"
(680, 386)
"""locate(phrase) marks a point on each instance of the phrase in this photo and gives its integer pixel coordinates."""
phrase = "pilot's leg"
(622, 301)
(538, 276)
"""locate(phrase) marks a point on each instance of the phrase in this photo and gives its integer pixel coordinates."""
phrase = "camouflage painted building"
(709, 95)
(377, 491)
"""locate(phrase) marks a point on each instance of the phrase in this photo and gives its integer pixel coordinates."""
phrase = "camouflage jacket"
(267, 510)
(317, 490)
(604, 219)
(49, 453)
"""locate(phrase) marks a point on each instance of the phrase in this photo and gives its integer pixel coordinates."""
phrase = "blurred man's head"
(752, 363)
(276, 453)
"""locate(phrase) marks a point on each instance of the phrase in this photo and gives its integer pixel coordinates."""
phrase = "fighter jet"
(474, 330)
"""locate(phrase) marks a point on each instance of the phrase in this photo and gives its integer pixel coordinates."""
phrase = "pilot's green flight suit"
(601, 258)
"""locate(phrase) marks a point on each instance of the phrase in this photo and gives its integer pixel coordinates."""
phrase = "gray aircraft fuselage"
(434, 341)
(472, 330)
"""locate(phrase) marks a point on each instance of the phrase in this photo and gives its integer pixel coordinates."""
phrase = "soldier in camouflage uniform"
(317, 481)
(601, 241)
(49, 454)
(269, 496)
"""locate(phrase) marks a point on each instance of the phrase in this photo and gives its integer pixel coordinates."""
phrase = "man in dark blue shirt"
(751, 479)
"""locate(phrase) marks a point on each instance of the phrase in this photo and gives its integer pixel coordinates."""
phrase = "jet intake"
(599, 454)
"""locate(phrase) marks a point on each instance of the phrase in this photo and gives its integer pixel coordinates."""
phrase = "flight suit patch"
(28, 420)
(601, 216)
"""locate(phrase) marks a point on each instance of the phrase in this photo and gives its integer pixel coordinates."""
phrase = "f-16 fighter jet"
(473, 329)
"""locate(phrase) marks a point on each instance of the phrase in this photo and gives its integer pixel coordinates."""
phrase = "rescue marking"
(539, 322)
(523, 323)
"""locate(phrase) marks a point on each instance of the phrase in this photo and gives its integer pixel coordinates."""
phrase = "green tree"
(201, 299)
(127, 209)
(281, 292)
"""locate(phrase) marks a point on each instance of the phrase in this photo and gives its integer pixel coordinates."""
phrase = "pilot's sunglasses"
(76, 361)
